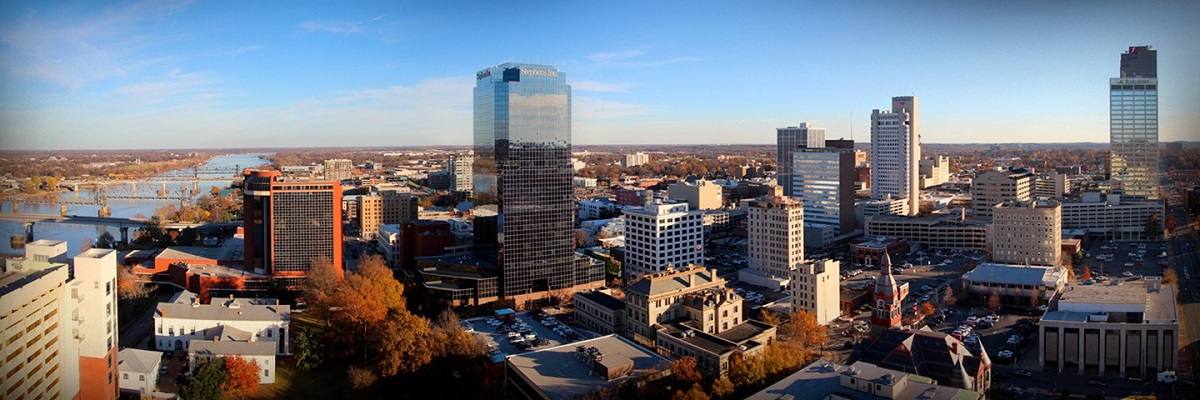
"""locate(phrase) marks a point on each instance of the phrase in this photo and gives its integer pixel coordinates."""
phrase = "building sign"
(483, 74)
(1133, 81)
(532, 72)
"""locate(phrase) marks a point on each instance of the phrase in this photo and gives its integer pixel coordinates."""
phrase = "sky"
(208, 74)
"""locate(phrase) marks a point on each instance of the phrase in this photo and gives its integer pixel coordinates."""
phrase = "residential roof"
(558, 373)
(225, 348)
(138, 360)
(927, 353)
(653, 285)
(1015, 274)
(822, 380)
(602, 299)
(223, 310)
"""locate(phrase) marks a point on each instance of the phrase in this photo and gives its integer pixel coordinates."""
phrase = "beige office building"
(338, 170)
(1026, 233)
(1128, 325)
(935, 170)
(995, 187)
(775, 236)
(703, 195)
(36, 333)
(816, 288)
(370, 215)
(658, 298)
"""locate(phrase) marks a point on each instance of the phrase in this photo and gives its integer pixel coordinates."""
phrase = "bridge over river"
(122, 223)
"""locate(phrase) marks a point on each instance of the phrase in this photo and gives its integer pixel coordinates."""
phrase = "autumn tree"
(207, 381)
(745, 370)
(360, 378)
(105, 241)
(243, 377)
(768, 317)
(1086, 274)
(993, 301)
(402, 343)
(695, 393)
(127, 286)
(802, 327)
(926, 309)
(451, 340)
(949, 298)
(685, 371)
(722, 387)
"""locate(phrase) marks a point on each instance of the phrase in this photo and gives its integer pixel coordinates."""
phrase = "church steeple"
(888, 295)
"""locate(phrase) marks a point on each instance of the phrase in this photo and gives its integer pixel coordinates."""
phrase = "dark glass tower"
(523, 158)
(1133, 129)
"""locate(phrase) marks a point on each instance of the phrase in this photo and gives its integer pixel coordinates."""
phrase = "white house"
(184, 319)
(139, 370)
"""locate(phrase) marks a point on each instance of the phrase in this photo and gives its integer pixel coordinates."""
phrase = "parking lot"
(498, 335)
(1115, 258)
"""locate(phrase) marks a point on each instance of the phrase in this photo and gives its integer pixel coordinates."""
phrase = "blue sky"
(162, 74)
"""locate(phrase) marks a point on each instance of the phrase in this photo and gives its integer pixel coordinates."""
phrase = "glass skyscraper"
(1133, 129)
(523, 158)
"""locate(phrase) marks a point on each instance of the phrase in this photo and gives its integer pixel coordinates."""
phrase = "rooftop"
(222, 310)
(603, 299)
(96, 253)
(46, 242)
(138, 360)
(822, 380)
(232, 250)
(220, 271)
(1148, 296)
(557, 373)
(1015, 274)
(224, 347)
(696, 276)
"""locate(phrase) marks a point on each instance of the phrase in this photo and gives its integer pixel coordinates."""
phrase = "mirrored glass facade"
(1133, 129)
(522, 143)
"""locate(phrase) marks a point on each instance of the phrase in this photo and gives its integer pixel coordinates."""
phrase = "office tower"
(1026, 233)
(1133, 131)
(816, 288)
(935, 170)
(400, 207)
(635, 159)
(895, 152)
(522, 143)
(702, 195)
(288, 224)
(1052, 185)
(94, 289)
(787, 140)
(824, 180)
(459, 166)
(775, 235)
(662, 236)
(995, 187)
(370, 215)
(338, 170)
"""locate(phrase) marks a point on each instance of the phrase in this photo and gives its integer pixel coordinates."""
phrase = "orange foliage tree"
(1087, 273)
(684, 369)
(243, 377)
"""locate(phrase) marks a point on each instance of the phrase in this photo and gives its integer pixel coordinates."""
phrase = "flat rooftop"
(1015, 274)
(230, 250)
(221, 271)
(603, 299)
(822, 380)
(558, 373)
(96, 253)
(1120, 294)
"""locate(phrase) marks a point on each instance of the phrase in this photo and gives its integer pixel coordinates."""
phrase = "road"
(1183, 257)
(117, 222)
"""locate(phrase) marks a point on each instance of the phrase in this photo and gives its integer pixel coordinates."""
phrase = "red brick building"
(289, 223)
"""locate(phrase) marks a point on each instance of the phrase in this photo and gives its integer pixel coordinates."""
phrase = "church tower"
(888, 296)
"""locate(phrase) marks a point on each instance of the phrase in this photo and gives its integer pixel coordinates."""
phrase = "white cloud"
(606, 57)
(243, 49)
(633, 58)
(372, 28)
(593, 86)
(178, 87)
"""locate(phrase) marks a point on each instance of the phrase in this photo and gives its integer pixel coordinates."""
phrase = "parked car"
(1024, 373)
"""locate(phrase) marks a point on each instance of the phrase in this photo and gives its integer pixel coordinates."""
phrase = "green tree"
(310, 353)
(206, 382)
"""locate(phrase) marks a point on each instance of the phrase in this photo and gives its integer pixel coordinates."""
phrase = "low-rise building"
(869, 252)
(1128, 325)
(713, 351)
(943, 232)
(825, 379)
(233, 342)
(575, 370)
(1111, 217)
(1014, 285)
(139, 371)
(656, 299)
(931, 354)
(1026, 232)
(185, 320)
(599, 311)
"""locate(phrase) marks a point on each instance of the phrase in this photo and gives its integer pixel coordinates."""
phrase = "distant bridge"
(114, 222)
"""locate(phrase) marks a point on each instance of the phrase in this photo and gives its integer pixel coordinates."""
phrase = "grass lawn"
(325, 382)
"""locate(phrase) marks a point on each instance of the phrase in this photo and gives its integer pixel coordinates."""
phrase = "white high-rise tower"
(896, 152)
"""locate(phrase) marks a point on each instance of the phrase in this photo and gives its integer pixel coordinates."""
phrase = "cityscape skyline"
(163, 75)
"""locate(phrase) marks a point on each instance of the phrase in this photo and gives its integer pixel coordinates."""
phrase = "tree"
(322, 281)
(745, 370)
(684, 370)
(452, 340)
(187, 237)
(360, 378)
(243, 377)
(127, 286)
(1169, 277)
(105, 241)
(1086, 274)
(925, 310)
(949, 298)
(402, 343)
(1154, 227)
(695, 393)
(768, 317)
(581, 238)
(1035, 298)
(309, 350)
(802, 327)
(722, 387)
(207, 381)
(993, 301)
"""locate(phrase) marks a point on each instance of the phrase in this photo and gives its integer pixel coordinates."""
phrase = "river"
(75, 234)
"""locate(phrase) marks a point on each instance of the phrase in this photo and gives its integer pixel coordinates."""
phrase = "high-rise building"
(1052, 185)
(994, 187)
(896, 152)
(400, 207)
(774, 235)
(1026, 233)
(288, 224)
(635, 159)
(459, 166)
(95, 282)
(935, 170)
(370, 215)
(816, 288)
(1133, 129)
(824, 179)
(787, 141)
(659, 237)
(522, 143)
(338, 170)
(39, 337)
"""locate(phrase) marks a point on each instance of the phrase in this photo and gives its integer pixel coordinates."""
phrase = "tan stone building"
(370, 215)
(657, 299)
(995, 187)
(775, 236)
(1027, 232)
(703, 195)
